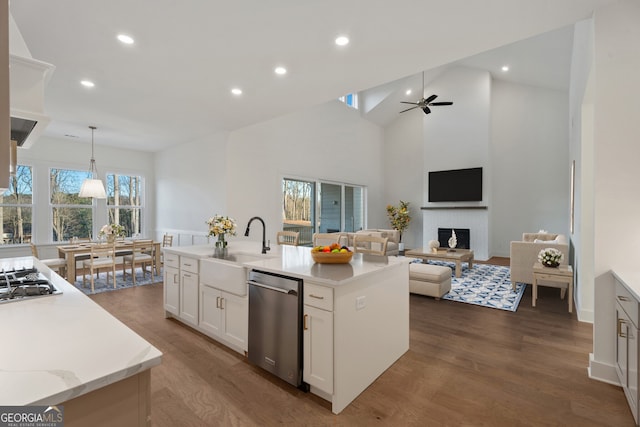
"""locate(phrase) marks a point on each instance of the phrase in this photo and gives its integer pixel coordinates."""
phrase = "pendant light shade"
(92, 186)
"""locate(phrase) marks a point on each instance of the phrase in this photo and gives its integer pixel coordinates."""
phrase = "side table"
(558, 277)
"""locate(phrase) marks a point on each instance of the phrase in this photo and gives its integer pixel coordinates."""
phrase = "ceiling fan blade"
(441, 103)
(431, 98)
(412, 103)
(426, 110)
(412, 108)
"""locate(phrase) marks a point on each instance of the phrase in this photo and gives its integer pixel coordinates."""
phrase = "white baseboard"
(602, 372)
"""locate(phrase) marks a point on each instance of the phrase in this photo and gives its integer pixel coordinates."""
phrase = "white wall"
(191, 182)
(328, 142)
(240, 174)
(616, 240)
(530, 177)
(403, 166)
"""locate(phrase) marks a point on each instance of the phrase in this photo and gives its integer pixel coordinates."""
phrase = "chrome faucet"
(265, 247)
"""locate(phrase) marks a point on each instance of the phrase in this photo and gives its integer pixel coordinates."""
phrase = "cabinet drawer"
(628, 303)
(172, 260)
(189, 264)
(318, 296)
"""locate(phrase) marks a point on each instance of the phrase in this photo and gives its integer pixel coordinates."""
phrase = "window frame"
(92, 206)
(141, 207)
(30, 206)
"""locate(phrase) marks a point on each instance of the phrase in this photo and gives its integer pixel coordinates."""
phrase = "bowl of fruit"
(332, 254)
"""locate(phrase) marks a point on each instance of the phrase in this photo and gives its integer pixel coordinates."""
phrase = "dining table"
(80, 251)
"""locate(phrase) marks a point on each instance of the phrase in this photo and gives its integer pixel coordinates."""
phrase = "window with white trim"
(125, 202)
(72, 216)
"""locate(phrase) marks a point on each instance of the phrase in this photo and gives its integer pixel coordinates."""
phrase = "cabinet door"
(622, 352)
(209, 316)
(171, 290)
(189, 297)
(318, 348)
(235, 315)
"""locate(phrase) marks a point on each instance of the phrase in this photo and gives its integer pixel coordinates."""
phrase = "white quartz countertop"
(296, 261)
(58, 347)
(630, 279)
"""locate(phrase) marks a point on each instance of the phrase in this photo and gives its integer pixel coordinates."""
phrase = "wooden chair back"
(373, 245)
(103, 251)
(34, 250)
(288, 238)
(325, 239)
(167, 240)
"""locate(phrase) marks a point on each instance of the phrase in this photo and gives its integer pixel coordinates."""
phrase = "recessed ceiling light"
(280, 70)
(505, 68)
(87, 83)
(236, 91)
(125, 39)
(408, 92)
(342, 41)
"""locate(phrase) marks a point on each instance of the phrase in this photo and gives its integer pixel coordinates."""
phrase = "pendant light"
(92, 186)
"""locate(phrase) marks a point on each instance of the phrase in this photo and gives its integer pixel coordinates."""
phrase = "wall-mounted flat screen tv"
(458, 185)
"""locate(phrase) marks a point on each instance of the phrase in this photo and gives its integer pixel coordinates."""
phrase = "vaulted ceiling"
(173, 85)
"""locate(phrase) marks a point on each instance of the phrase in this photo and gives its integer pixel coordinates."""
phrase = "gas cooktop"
(25, 283)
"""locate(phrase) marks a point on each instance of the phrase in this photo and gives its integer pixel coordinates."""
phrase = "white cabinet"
(318, 337)
(627, 345)
(224, 304)
(189, 290)
(172, 284)
(224, 316)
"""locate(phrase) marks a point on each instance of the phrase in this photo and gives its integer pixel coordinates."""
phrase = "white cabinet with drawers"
(318, 336)
(171, 284)
(626, 307)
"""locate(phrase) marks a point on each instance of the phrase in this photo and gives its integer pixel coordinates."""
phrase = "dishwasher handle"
(273, 288)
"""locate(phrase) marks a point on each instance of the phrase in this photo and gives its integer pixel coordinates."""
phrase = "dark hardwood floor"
(467, 366)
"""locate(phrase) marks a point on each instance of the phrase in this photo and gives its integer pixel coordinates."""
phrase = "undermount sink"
(239, 258)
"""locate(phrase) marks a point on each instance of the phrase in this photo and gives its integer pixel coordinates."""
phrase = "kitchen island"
(355, 315)
(64, 349)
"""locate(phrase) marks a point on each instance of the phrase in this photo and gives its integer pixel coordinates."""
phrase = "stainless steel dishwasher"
(275, 332)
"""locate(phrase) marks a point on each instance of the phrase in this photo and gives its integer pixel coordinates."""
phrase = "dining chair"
(103, 256)
(167, 242)
(325, 239)
(59, 265)
(373, 245)
(141, 254)
(288, 237)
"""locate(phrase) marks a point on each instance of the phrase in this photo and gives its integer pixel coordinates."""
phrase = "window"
(124, 202)
(324, 207)
(16, 208)
(351, 99)
(72, 216)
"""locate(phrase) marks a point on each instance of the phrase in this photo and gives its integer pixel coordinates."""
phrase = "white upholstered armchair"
(524, 254)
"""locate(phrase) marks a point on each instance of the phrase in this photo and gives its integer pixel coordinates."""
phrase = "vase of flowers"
(399, 218)
(111, 231)
(550, 257)
(220, 226)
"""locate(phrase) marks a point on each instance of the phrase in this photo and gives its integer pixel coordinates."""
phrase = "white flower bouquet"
(219, 224)
(550, 257)
(112, 230)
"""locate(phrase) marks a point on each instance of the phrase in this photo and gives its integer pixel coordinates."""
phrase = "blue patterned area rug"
(100, 284)
(485, 285)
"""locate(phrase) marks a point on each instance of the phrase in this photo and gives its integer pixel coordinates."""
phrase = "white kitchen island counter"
(62, 349)
(355, 315)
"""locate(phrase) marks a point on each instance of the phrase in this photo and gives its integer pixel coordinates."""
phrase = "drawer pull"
(304, 322)
(217, 302)
(620, 333)
(186, 275)
(188, 265)
(315, 296)
(623, 298)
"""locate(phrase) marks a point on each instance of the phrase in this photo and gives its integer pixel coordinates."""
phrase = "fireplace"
(462, 236)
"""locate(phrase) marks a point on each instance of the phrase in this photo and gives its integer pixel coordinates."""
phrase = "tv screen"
(459, 185)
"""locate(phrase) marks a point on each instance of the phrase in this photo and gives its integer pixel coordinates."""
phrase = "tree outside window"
(72, 216)
(124, 202)
(16, 208)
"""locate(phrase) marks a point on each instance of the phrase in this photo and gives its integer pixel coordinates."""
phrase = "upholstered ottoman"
(430, 280)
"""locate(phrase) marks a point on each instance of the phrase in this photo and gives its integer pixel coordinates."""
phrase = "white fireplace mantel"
(475, 218)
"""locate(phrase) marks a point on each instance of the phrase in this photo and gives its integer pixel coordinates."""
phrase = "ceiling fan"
(425, 103)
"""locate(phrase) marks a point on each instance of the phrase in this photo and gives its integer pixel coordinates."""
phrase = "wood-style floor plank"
(467, 366)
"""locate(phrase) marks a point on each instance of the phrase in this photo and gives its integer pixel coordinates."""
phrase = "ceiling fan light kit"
(425, 103)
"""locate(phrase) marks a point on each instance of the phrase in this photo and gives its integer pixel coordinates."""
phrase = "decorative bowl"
(331, 257)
